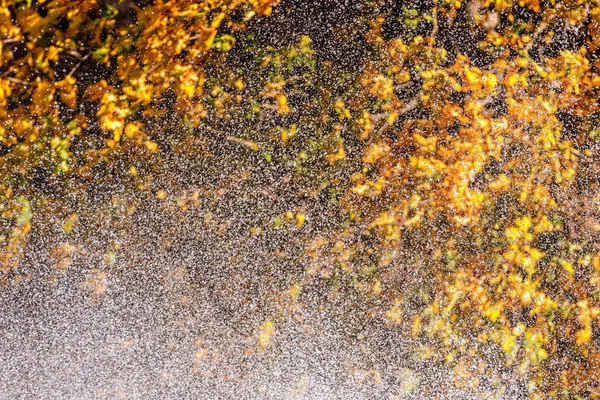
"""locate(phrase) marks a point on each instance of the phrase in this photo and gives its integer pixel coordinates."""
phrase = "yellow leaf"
(131, 130)
(69, 224)
(427, 144)
(377, 287)
(267, 330)
(282, 102)
(239, 84)
(288, 134)
(295, 290)
(383, 219)
(567, 266)
(508, 343)
(152, 146)
(300, 218)
(339, 155)
(502, 183)
(583, 336)
(524, 224)
(395, 314)
(416, 326)
(512, 233)
(374, 152)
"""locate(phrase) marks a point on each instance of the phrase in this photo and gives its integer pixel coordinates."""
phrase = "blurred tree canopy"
(449, 142)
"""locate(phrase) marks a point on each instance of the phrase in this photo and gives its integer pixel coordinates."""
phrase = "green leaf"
(25, 215)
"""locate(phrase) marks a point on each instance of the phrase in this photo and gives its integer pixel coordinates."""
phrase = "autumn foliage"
(458, 150)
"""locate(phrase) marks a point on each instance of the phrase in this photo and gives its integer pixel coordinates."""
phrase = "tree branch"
(411, 105)
(78, 65)
(436, 27)
(541, 28)
(18, 81)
